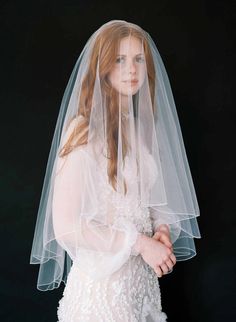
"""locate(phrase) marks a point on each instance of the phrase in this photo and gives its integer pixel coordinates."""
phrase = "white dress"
(131, 292)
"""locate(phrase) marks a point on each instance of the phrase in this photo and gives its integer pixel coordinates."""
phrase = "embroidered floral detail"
(130, 294)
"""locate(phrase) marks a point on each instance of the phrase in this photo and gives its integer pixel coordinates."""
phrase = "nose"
(132, 68)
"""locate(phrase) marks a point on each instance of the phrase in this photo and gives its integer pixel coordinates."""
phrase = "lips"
(132, 82)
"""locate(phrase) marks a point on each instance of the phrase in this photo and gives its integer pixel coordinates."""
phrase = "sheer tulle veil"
(117, 113)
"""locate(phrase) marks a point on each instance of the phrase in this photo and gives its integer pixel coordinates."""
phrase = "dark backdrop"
(40, 42)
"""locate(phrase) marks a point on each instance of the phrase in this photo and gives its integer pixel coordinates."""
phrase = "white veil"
(117, 150)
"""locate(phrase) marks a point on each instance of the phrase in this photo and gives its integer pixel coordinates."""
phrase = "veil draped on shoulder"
(117, 149)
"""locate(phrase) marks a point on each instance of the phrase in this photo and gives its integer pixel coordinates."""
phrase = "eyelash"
(118, 60)
(138, 59)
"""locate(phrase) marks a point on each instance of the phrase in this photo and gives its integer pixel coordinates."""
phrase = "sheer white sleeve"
(100, 248)
(171, 220)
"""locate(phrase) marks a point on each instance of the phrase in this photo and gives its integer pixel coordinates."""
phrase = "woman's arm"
(84, 236)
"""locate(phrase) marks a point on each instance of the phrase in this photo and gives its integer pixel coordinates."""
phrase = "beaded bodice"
(127, 207)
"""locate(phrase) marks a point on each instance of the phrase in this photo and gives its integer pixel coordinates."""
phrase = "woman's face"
(128, 73)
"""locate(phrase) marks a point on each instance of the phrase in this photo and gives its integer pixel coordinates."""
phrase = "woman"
(118, 206)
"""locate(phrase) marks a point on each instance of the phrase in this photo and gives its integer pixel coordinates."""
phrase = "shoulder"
(71, 127)
(73, 123)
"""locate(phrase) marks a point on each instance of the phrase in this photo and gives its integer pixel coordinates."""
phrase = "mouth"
(131, 82)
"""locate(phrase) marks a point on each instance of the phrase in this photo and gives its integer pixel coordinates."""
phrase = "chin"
(128, 92)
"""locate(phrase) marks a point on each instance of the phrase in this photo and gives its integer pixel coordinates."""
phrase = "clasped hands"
(157, 251)
(163, 235)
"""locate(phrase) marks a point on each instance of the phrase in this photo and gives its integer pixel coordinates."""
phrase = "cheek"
(141, 75)
(115, 78)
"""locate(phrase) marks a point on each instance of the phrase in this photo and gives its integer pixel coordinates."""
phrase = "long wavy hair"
(106, 48)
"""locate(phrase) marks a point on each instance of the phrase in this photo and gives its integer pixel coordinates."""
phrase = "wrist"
(140, 242)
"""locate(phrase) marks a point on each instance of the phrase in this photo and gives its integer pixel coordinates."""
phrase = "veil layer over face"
(117, 165)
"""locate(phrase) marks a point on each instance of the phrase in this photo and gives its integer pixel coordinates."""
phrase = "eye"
(120, 60)
(139, 59)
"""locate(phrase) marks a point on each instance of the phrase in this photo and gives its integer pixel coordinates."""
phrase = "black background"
(40, 42)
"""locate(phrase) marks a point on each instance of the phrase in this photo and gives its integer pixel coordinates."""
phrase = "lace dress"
(130, 293)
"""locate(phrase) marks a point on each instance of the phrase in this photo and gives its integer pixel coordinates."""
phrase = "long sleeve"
(171, 220)
(99, 248)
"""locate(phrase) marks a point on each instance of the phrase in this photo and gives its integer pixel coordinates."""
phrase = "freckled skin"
(129, 65)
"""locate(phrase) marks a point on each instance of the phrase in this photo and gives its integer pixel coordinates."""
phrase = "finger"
(163, 233)
(173, 258)
(169, 264)
(165, 239)
(164, 228)
(157, 235)
(158, 271)
(164, 268)
(165, 242)
(171, 248)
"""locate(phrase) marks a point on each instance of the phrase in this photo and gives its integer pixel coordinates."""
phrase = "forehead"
(130, 46)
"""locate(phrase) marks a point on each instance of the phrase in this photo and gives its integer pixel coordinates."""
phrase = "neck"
(124, 104)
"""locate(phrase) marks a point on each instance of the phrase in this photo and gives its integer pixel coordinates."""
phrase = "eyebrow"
(126, 55)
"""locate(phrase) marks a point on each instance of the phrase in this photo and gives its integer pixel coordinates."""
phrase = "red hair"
(106, 48)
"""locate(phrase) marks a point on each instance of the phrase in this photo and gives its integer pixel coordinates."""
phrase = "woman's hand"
(156, 254)
(163, 234)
